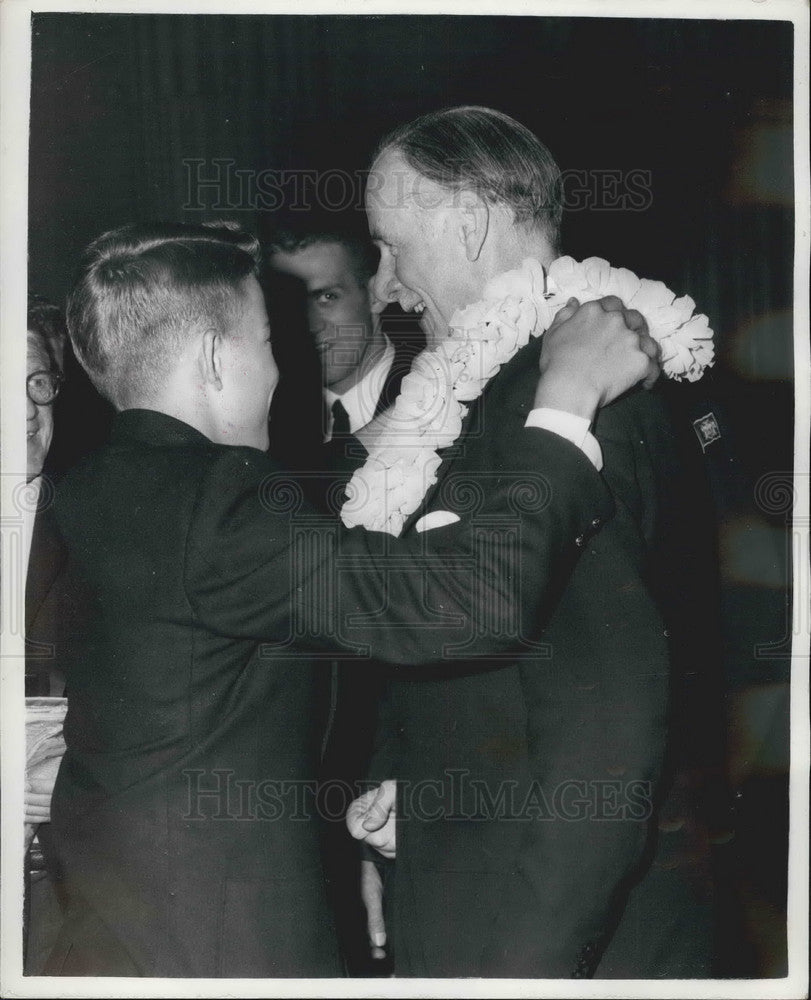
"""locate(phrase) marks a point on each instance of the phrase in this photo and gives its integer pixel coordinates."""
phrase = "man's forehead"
(317, 263)
(394, 185)
(37, 350)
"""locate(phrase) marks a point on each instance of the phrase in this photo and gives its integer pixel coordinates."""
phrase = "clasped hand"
(593, 353)
(38, 791)
(372, 819)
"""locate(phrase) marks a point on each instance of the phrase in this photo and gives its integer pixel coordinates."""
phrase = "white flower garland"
(427, 416)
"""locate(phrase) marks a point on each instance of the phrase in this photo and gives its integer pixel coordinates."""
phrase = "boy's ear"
(210, 358)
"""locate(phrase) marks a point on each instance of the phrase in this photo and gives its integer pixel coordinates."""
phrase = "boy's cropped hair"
(141, 290)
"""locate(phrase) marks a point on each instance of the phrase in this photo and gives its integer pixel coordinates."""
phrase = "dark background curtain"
(676, 140)
(136, 117)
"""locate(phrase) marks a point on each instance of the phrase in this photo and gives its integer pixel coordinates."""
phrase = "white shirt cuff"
(571, 427)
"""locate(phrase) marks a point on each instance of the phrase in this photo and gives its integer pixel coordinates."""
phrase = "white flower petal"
(598, 274)
(624, 284)
(650, 295)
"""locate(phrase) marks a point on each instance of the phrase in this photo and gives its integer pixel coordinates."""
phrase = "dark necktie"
(340, 419)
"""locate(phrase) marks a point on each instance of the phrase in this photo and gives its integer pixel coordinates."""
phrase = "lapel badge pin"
(707, 429)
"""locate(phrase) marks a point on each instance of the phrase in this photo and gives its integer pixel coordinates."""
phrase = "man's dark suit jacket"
(190, 703)
(50, 608)
(525, 792)
(53, 618)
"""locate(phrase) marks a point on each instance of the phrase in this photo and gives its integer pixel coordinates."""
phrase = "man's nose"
(315, 320)
(31, 412)
(386, 286)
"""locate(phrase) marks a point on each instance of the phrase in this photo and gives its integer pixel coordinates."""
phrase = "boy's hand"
(594, 353)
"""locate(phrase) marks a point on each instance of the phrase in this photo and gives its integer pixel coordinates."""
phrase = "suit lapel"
(45, 563)
(448, 455)
(525, 360)
(404, 355)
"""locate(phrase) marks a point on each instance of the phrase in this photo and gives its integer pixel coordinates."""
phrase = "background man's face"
(416, 225)
(39, 419)
(339, 306)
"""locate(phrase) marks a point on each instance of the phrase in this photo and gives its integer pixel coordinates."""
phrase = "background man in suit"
(178, 807)
(482, 886)
(43, 552)
(362, 369)
(51, 612)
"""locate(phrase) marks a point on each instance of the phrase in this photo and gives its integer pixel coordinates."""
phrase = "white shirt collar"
(360, 401)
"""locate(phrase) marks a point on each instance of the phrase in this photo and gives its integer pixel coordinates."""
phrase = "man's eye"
(325, 297)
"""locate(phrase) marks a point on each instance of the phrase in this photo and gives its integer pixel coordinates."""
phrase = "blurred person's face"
(420, 232)
(339, 309)
(249, 374)
(39, 418)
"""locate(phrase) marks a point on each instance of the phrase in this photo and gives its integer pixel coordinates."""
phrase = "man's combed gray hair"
(489, 152)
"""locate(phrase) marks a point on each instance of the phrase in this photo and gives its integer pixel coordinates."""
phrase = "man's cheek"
(46, 431)
(274, 382)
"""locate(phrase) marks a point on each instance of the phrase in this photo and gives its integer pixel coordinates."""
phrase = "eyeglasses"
(43, 386)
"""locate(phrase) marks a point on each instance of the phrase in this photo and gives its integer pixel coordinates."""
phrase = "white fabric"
(571, 427)
(436, 519)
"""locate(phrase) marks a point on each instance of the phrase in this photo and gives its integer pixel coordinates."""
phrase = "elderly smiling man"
(525, 793)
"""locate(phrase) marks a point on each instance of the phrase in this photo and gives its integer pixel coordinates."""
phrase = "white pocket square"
(436, 519)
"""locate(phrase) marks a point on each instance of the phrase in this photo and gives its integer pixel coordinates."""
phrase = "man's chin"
(35, 462)
(434, 327)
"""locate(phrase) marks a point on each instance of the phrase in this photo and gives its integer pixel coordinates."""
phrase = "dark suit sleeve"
(261, 564)
(597, 735)
(385, 762)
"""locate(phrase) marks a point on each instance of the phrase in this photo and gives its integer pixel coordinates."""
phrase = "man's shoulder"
(637, 414)
(514, 384)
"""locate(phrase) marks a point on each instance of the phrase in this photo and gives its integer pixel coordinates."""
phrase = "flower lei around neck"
(427, 416)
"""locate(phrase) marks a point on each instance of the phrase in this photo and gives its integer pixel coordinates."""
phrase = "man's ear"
(475, 216)
(210, 358)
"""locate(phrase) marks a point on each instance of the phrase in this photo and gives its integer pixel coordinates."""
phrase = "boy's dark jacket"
(180, 811)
